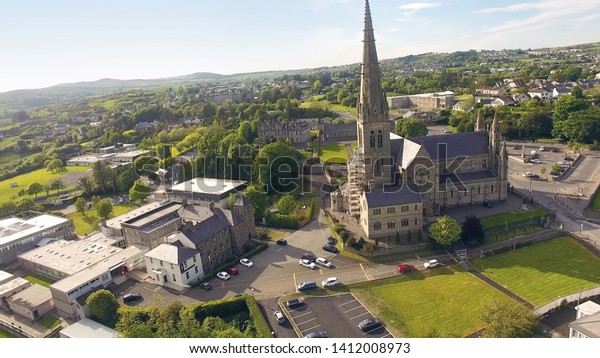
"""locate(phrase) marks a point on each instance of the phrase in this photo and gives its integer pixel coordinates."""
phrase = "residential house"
(521, 97)
(296, 133)
(174, 266)
(587, 322)
(491, 91)
(541, 93)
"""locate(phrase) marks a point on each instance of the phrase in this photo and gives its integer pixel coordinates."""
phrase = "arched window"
(372, 139)
(377, 226)
(379, 139)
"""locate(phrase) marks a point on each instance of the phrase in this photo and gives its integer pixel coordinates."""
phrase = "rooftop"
(209, 185)
(12, 285)
(118, 220)
(32, 297)
(86, 328)
(171, 253)
(147, 217)
(453, 145)
(588, 325)
(5, 276)
(14, 229)
(391, 195)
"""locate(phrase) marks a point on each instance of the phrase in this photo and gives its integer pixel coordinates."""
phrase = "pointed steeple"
(372, 103)
(479, 126)
(504, 152)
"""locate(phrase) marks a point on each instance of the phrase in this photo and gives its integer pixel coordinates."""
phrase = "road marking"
(354, 300)
(387, 335)
(312, 319)
(308, 329)
(365, 272)
(355, 317)
(352, 309)
(304, 314)
(295, 282)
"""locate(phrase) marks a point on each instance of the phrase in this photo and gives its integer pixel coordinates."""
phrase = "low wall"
(577, 296)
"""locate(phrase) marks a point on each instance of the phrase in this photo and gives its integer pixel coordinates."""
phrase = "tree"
(555, 168)
(104, 208)
(411, 127)
(277, 167)
(35, 189)
(472, 231)
(26, 204)
(101, 175)
(103, 307)
(445, 231)
(57, 185)
(259, 200)
(286, 204)
(47, 189)
(543, 170)
(81, 205)
(139, 191)
(125, 180)
(508, 319)
(86, 184)
(55, 165)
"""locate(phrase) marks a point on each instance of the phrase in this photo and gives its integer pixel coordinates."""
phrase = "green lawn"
(10, 156)
(313, 102)
(509, 218)
(84, 225)
(41, 176)
(335, 153)
(595, 203)
(443, 302)
(49, 321)
(5, 334)
(542, 272)
(42, 281)
(511, 233)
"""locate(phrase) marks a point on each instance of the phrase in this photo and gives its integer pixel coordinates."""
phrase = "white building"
(174, 266)
(33, 302)
(87, 328)
(541, 93)
(203, 191)
(21, 234)
(587, 323)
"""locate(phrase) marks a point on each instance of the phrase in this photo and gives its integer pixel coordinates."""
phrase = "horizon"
(64, 42)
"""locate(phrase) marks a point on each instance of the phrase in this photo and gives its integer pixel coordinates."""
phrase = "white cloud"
(410, 9)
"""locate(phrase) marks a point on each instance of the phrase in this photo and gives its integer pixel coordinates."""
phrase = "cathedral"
(396, 183)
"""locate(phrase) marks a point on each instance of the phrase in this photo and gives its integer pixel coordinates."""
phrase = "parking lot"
(337, 315)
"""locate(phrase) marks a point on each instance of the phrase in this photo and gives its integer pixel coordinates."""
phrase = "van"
(307, 286)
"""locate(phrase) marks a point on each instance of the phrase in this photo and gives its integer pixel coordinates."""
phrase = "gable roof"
(454, 145)
(588, 325)
(171, 253)
(205, 229)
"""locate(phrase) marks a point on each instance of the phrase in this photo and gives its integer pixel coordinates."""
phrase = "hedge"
(262, 328)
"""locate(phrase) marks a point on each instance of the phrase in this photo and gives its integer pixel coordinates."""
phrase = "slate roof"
(171, 253)
(468, 176)
(391, 195)
(342, 127)
(205, 229)
(241, 200)
(454, 145)
(588, 325)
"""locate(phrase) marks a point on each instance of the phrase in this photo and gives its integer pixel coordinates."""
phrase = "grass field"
(313, 102)
(42, 281)
(595, 203)
(5, 334)
(335, 153)
(84, 225)
(41, 176)
(49, 321)
(542, 272)
(509, 218)
(443, 302)
(511, 233)
(9, 157)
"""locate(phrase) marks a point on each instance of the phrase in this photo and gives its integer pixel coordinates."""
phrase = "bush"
(368, 248)
(282, 221)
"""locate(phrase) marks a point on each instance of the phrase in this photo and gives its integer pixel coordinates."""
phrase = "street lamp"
(581, 228)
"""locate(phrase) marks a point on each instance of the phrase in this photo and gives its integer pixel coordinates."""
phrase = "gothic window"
(478, 190)
(391, 224)
(404, 222)
(484, 165)
(379, 139)
(372, 139)
(492, 188)
(377, 226)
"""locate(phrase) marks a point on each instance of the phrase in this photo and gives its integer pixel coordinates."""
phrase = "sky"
(44, 43)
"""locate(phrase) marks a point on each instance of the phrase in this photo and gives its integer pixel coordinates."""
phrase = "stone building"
(296, 133)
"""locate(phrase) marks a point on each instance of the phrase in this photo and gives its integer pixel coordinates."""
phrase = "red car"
(233, 271)
(404, 268)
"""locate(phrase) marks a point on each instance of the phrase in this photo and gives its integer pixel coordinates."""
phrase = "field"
(595, 203)
(542, 272)
(443, 302)
(42, 281)
(335, 153)
(84, 225)
(314, 102)
(41, 176)
(510, 218)
(49, 321)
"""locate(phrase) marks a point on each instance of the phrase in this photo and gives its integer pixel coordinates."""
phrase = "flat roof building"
(33, 302)
(13, 287)
(203, 191)
(87, 328)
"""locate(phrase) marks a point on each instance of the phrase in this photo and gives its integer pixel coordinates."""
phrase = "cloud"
(395, 29)
(410, 9)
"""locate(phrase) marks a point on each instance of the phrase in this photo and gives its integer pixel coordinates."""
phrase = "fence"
(568, 298)
(380, 251)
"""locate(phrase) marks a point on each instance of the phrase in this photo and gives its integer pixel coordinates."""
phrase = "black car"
(331, 248)
(132, 297)
(534, 176)
(282, 242)
(309, 257)
(488, 204)
(321, 334)
(205, 286)
(568, 159)
(369, 324)
(295, 302)
(330, 241)
(307, 286)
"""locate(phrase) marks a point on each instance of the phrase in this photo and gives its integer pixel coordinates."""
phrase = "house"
(144, 127)
(492, 91)
(561, 91)
(587, 322)
(521, 97)
(174, 266)
(541, 93)
(32, 303)
(296, 133)
(438, 100)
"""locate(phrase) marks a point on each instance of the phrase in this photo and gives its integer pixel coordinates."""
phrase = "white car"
(246, 262)
(308, 264)
(432, 263)
(223, 276)
(527, 174)
(323, 262)
(330, 282)
(542, 148)
(535, 161)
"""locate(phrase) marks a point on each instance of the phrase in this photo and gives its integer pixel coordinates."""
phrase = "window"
(416, 207)
(416, 221)
(161, 263)
(404, 222)
(194, 257)
(372, 139)
(478, 190)
(391, 224)
(151, 261)
(379, 139)
(404, 208)
(376, 211)
(484, 165)
(196, 269)
(377, 226)
(174, 278)
(391, 209)
(492, 188)
(187, 275)
(452, 193)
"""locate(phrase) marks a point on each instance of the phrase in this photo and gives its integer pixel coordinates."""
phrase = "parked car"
(307, 285)
(534, 176)
(541, 148)
(321, 261)
(555, 173)
(233, 271)
(321, 334)
(488, 204)
(330, 282)
(121, 200)
(309, 257)
(404, 268)
(63, 196)
(447, 130)
(206, 286)
(527, 174)
(279, 317)
(516, 146)
(432, 263)
(535, 161)
(295, 302)
(331, 248)
(223, 276)
(131, 297)
(330, 241)
(568, 158)
(246, 262)
(369, 324)
(308, 264)
(282, 242)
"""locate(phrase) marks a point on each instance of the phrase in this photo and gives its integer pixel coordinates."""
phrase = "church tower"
(373, 122)
(495, 143)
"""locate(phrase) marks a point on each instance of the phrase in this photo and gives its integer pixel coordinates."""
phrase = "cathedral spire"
(372, 104)
(479, 125)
